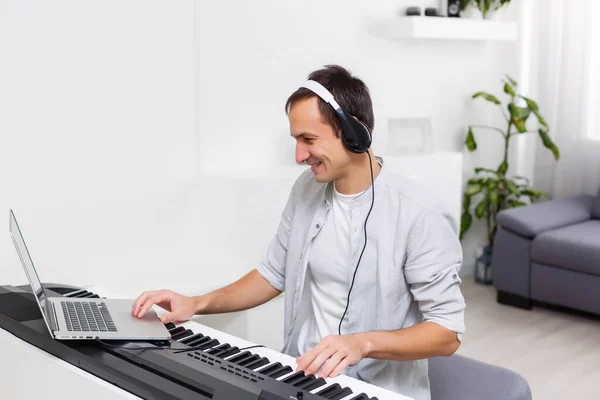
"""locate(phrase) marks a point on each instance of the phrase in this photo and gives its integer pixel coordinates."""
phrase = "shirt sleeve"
(272, 264)
(433, 260)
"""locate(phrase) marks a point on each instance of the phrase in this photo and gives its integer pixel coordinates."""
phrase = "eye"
(308, 140)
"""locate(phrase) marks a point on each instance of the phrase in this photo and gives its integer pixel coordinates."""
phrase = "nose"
(301, 153)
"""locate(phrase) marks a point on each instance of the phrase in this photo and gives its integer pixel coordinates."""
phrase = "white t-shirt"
(327, 275)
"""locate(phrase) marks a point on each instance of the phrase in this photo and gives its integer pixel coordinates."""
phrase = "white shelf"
(419, 27)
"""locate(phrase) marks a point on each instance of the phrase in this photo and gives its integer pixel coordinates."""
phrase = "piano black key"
(228, 352)
(329, 390)
(218, 349)
(176, 331)
(87, 295)
(293, 378)
(76, 293)
(267, 370)
(198, 342)
(170, 325)
(316, 384)
(184, 334)
(304, 381)
(208, 345)
(340, 394)
(258, 363)
(240, 356)
(191, 338)
(286, 369)
(249, 360)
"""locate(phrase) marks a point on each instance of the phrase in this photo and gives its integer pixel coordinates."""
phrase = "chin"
(323, 178)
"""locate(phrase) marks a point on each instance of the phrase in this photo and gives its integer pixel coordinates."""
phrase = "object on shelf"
(412, 11)
(431, 12)
(454, 8)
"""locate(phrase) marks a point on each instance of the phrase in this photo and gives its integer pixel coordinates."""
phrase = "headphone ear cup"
(356, 136)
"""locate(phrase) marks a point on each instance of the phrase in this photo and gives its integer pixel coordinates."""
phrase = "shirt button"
(318, 226)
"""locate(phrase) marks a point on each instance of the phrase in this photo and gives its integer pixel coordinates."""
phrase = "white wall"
(96, 129)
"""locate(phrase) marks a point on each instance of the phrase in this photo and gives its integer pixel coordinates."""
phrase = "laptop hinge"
(51, 314)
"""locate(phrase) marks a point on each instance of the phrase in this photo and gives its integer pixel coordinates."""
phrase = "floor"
(557, 352)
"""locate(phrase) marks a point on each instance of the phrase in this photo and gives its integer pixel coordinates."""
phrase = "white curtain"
(566, 76)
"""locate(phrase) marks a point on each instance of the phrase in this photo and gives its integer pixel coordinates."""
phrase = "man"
(373, 298)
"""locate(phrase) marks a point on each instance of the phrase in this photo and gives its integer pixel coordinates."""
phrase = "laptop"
(85, 318)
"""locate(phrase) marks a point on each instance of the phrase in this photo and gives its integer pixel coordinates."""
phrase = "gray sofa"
(549, 252)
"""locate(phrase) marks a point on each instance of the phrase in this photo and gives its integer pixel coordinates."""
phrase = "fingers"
(149, 300)
(307, 358)
(320, 360)
(338, 369)
(138, 302)
(330, 365)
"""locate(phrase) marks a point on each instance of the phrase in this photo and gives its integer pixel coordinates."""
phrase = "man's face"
(316, 142)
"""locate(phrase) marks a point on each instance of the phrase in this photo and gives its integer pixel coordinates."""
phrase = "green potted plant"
(492, 190)
(488, 8)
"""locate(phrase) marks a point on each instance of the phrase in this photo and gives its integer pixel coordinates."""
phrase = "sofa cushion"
(575, 247)
(596, 206)
(540, 217)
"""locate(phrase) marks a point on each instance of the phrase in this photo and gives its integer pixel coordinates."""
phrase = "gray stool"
(461, 378)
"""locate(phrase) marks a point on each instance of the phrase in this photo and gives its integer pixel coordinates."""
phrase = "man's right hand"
(180, 307)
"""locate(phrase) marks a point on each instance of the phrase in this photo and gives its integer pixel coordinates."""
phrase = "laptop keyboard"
(83, 316)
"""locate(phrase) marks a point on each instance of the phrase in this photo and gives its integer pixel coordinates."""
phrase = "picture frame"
(409, 135)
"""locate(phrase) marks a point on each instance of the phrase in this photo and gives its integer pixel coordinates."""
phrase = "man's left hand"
(333, 354)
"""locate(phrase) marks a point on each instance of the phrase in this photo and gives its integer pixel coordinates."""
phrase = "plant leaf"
(513, 188)
(511, 80)
(531, 104)
(473, 190)
(470, 141)
(503, 167)
(476, 181)
(518, 116)
(540, 119)
(520, 125)
(487, 96)
(534, 194)
(465, 223)
(493, 195)
(519, 112)
(516, 203)
(508, 89)
(466, 203)
(526, 179)
(549, 144)
(481, 208)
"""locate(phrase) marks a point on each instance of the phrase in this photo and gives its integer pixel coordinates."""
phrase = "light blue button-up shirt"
(408, 273)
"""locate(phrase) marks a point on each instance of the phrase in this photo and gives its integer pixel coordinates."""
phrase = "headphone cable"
(365, 245)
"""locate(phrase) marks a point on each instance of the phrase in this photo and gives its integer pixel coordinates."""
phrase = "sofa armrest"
(536, 218)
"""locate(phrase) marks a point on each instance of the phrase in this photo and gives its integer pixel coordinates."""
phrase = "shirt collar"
(365, 197)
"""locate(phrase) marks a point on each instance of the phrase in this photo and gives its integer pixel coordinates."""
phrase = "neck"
(357, 179)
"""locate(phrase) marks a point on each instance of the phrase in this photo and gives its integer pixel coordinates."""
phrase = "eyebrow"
(305, 134)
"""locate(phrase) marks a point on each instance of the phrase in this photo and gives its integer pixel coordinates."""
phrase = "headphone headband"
(322, 92)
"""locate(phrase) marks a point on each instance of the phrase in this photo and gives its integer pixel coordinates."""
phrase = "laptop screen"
(32, 275)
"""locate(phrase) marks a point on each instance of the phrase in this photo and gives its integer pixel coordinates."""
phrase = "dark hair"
(350, 92)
